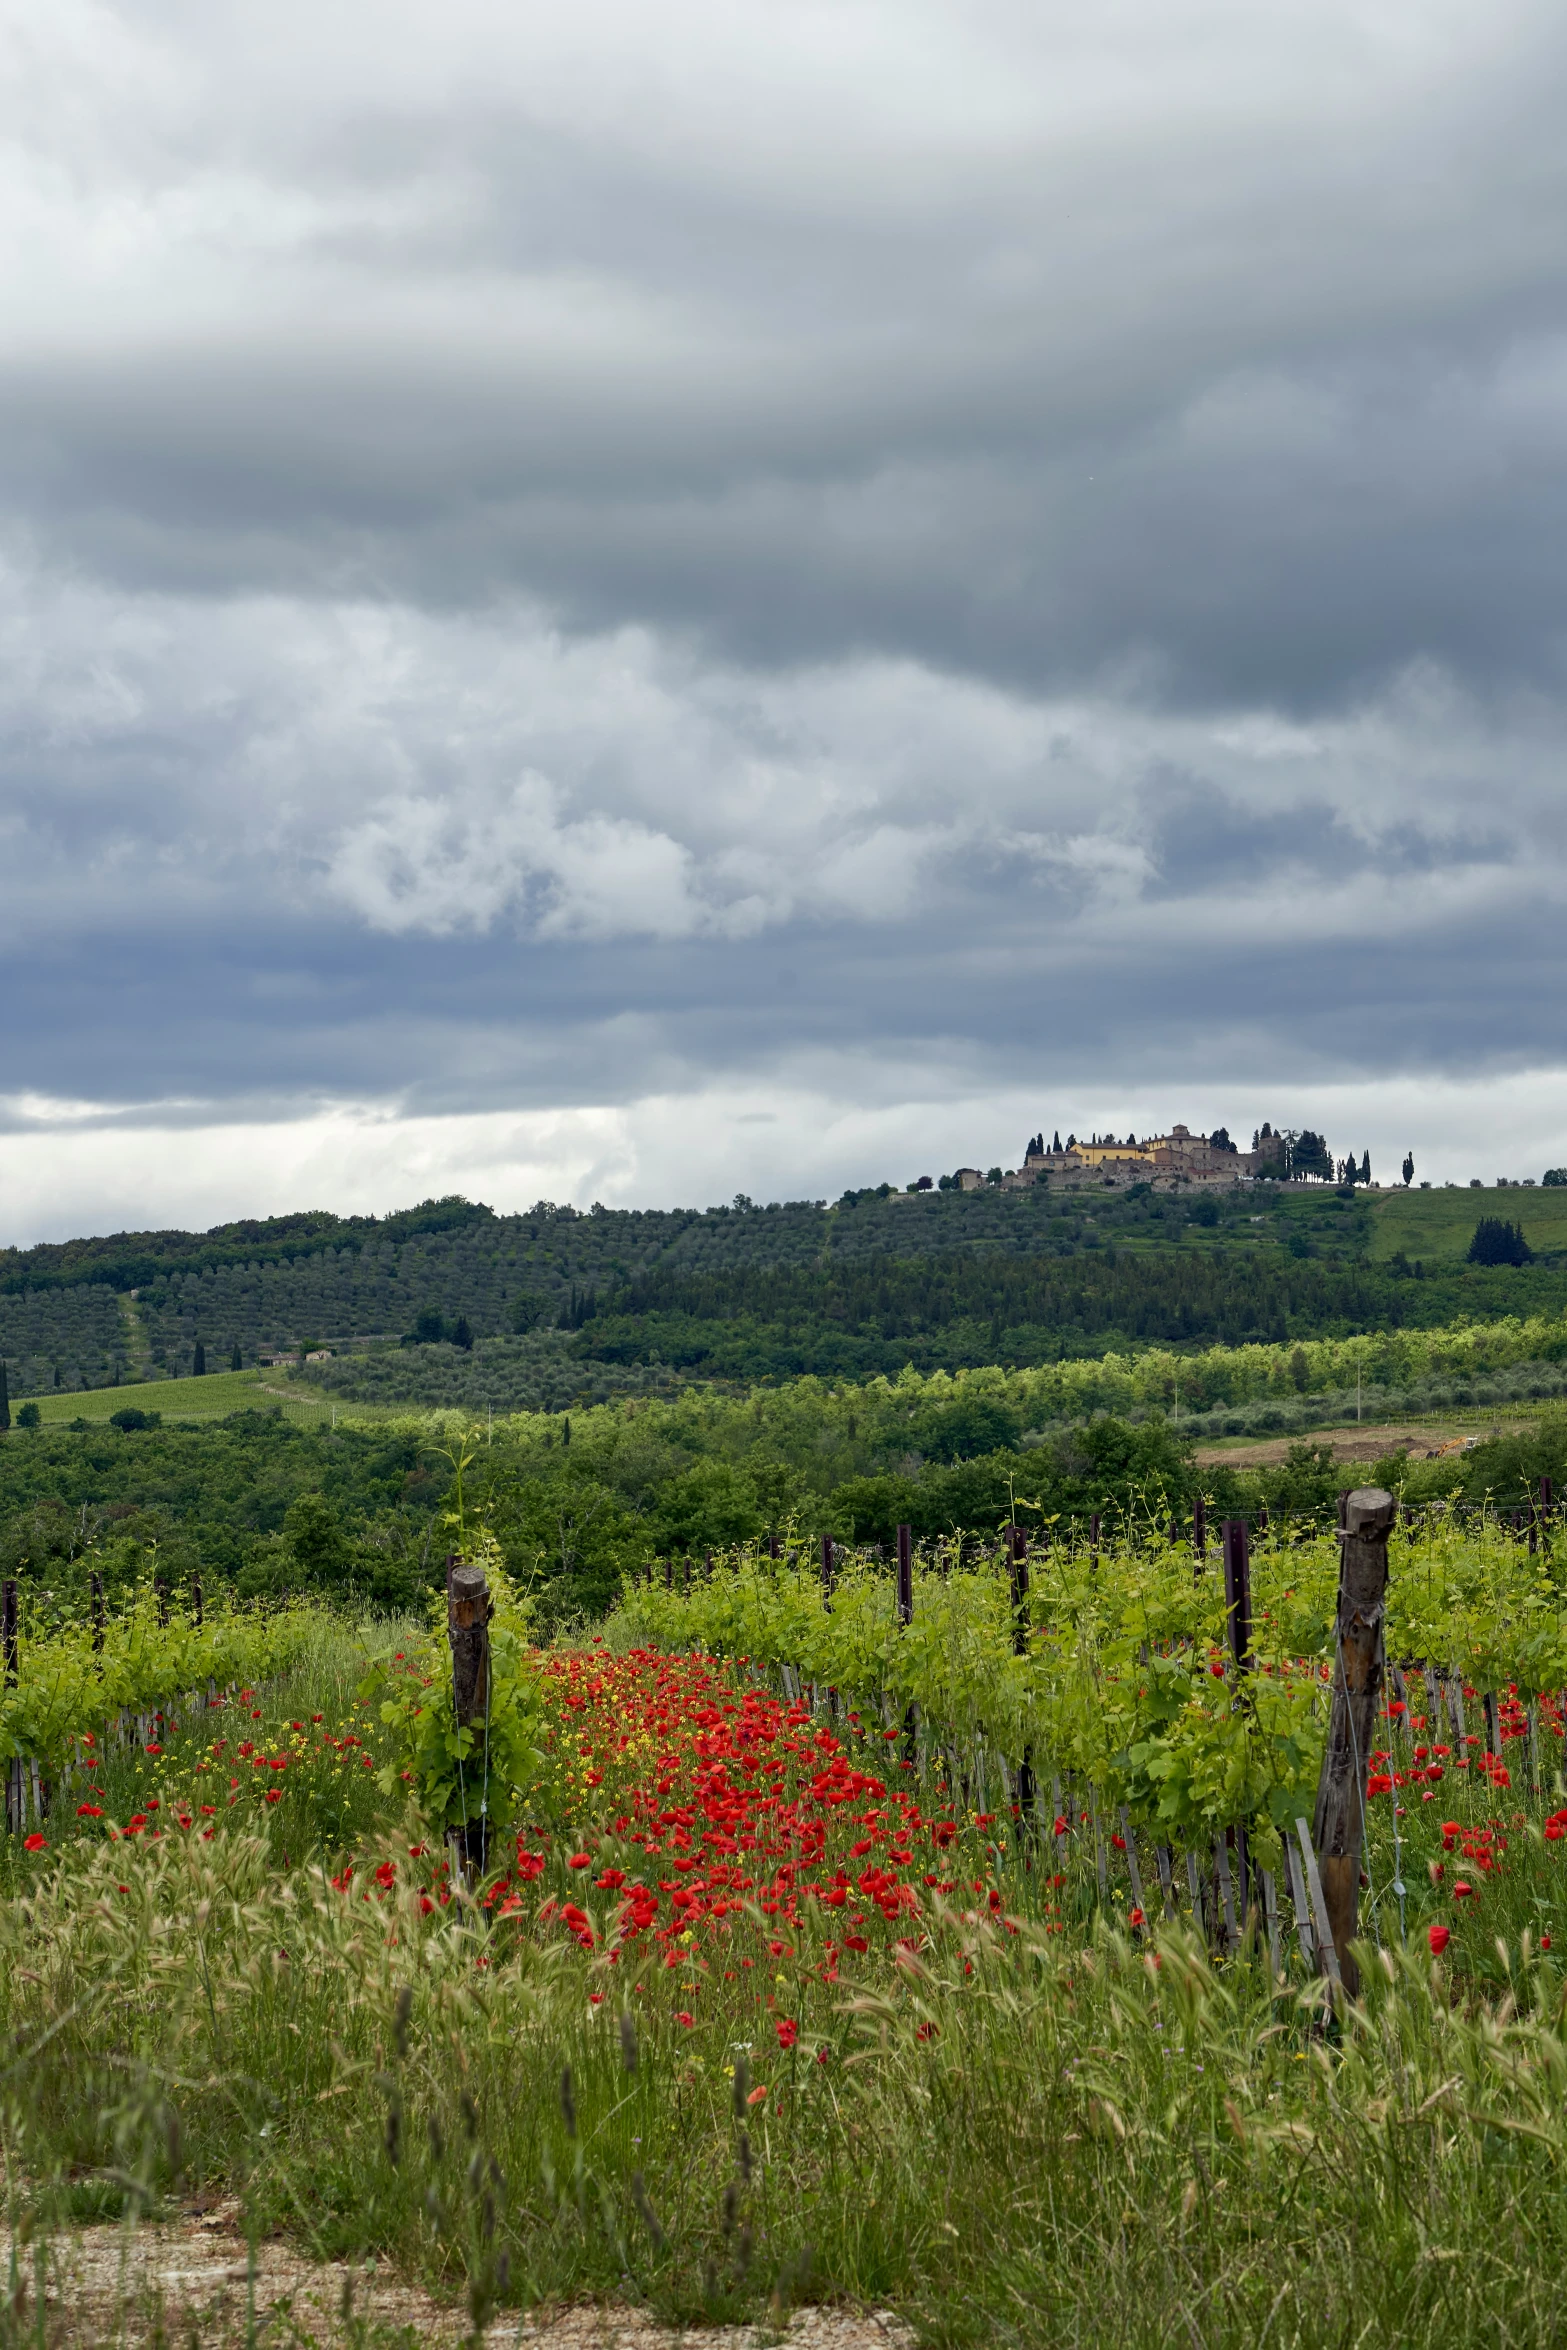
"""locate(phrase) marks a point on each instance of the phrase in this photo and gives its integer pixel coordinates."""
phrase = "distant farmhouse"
(1167, 1162)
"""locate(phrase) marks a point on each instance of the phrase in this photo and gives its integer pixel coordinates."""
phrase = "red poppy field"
(754, 2007)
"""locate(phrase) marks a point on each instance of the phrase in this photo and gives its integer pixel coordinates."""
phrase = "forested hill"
(451, 1302)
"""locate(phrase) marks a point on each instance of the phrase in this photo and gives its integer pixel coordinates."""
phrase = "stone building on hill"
(1179, 1159)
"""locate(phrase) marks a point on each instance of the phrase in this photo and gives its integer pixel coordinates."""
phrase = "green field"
(1439, 1225)
(212, 1398)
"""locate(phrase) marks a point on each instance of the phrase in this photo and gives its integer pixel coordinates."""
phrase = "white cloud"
(809, 1135)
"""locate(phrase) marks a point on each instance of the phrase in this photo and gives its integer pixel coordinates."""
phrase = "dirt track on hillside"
(1354, 1443)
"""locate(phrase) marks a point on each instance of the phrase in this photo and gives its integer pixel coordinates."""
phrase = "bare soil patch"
(1358, 1443)
(189, 2281)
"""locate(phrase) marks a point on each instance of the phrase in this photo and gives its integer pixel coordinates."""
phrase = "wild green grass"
(1014, 2137)
(211, 1398)
(1438, 1225)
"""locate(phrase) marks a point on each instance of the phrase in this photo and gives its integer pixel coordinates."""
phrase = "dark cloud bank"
(543, 564)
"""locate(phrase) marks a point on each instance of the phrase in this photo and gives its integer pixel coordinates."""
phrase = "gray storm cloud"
(548, 555)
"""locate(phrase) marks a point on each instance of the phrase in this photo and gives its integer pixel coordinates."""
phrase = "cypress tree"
(198, 1369)
(5, 1397)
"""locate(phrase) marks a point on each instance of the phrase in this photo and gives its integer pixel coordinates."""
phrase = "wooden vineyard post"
(906, 1616)
(10, 1644)
(1199, 1536)
(1237, 1608)
(1139, 1916)
(468, 1630)
(1237, 1592)
(1339, 1827)
(1017, 1549)
(827, 1567)
(1327, 1947)
(1297, 1886)
(97, 1609)
(774, 1547)
(195, 1601)
(1093, 1543)
(1025, 1771)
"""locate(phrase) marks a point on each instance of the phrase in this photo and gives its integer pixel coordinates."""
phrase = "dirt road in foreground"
(189, 2281)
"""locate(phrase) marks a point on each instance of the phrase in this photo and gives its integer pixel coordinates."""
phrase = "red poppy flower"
(1439, 1938)
(35, 1843)
(788, 2031)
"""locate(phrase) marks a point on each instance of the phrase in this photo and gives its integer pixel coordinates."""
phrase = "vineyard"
(1170, 1705)
(934, 1931)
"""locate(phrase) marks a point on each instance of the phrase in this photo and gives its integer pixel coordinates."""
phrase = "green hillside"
(212, 1398)
(451, 1303)
(1438, 1225)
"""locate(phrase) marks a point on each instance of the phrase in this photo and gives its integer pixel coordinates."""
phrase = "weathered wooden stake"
(1194, 1884)
(14, 1798)
(1093, 1543)
(1200, 1531)
(1133, 1871)
(1297, 1886)
(1100, 1869)
(1221, 1867)
(1270, 1910)
(905, 1575)
(195, 1601)
(1018, 1546)
(468, 1630)
(98, 1614)
(906, 1616)
(1339, 1827)
(1237, 1592)
(1327, 1946)
(1025, 1769)
(827, 1567)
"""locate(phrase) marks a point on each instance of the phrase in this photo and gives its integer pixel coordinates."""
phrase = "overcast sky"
(636, 602)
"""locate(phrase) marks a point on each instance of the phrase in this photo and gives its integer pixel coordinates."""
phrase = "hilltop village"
(1167, 1162)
